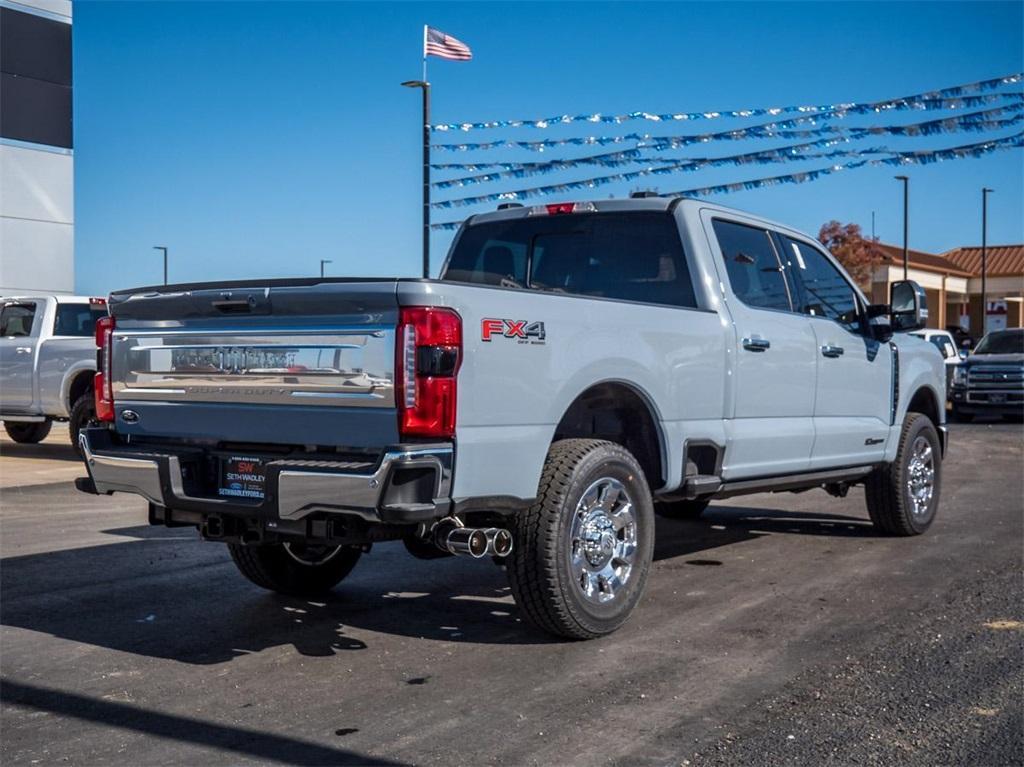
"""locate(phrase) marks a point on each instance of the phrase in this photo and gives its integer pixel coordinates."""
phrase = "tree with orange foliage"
(858, 254)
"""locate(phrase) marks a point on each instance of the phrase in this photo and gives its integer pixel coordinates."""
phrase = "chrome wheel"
(603, 541)
(311, 556)
(921, 476)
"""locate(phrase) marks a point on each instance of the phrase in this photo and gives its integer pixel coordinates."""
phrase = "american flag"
(437, 43)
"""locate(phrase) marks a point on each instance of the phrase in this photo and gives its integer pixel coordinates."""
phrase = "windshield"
(634, 256)
(1002, 342)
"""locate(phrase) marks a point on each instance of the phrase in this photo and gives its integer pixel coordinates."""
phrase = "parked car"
(991, 380)
(47, 363)
(943, 340)
(574, 363)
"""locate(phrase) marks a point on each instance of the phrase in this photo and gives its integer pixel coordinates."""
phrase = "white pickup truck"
(574, 364)
(47, 363)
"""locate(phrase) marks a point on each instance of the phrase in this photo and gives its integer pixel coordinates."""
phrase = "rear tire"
(691, 509)
(583, 550)
(28, 433)
(82, 412)
(903, 496)
(295, 569)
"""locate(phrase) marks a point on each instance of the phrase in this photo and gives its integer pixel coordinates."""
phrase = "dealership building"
(37, 215)
(952, 282)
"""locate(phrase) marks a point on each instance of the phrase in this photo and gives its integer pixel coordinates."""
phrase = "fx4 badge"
(523, 331)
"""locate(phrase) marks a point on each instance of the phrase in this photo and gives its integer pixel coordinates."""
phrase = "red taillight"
(429, 346)
(102, 384)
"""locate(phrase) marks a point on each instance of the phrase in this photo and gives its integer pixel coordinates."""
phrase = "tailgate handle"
(235, 306)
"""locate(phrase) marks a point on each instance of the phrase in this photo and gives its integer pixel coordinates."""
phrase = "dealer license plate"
(242, 477)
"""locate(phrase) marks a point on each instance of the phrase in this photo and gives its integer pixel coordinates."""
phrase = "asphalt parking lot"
(778, 629)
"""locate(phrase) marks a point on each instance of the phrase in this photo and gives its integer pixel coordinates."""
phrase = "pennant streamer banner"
(978, 121)
(895, 158)
(940, 99)
(689, 165)
(770, 129)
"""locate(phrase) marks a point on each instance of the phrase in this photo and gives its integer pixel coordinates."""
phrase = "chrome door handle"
(23, 350)
(756, 344)
(829, 350)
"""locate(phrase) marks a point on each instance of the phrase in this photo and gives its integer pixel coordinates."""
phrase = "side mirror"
(909, 306)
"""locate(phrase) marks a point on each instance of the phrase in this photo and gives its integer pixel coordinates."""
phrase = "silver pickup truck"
(574, 365)
(47, 363)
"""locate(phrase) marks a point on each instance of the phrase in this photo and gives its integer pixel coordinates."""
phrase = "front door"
(772, 381)
(853, 402)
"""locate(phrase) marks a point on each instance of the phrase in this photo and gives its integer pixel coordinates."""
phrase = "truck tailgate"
(301, 362)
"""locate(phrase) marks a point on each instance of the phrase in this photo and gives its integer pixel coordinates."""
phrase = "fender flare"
(69, 377)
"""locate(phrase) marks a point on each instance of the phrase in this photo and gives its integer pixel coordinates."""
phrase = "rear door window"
(755, 273)
(77, 319)
(627, 256)
(16, 320)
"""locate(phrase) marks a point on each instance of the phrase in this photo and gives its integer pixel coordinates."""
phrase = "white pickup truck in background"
(47, 363)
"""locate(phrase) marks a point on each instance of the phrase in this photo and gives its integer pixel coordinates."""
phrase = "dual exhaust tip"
(476, 542)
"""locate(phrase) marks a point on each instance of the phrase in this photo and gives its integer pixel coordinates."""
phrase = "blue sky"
(254, 139)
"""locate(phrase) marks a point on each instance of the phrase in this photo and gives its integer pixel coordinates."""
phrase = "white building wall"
(37, 202)
(36, 221)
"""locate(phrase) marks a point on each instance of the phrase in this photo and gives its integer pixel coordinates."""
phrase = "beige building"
(952, 281)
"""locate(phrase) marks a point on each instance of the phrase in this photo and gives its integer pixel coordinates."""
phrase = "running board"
(788, 482)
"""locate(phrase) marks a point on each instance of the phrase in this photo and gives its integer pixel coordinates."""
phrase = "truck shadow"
(53, 451)
(166, 595)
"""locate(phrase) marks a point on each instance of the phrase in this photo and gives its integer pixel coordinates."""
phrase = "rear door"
(773, 383)
(853, 401)
(19, 331)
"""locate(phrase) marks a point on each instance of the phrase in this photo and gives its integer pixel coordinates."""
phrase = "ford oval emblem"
(129, 416)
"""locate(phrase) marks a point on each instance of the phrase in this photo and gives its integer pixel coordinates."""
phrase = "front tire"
(583, 550)
(82, 412)
(296, 569)
(28, 433)
(903, 496)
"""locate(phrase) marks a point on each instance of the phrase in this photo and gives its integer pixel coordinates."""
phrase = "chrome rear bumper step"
(295, 488)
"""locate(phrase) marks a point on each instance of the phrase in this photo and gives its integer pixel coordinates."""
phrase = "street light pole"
(164, 249)
(906, 228)
(425, 87)
(322, 262)
(984, 259)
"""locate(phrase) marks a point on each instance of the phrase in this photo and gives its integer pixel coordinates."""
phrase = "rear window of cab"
(634, 256)
(77, 320)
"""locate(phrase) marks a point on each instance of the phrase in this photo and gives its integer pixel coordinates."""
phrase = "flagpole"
(426, 161)
(426, 177)
(425, 86)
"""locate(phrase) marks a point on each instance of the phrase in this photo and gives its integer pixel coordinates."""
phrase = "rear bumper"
(406, 484)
